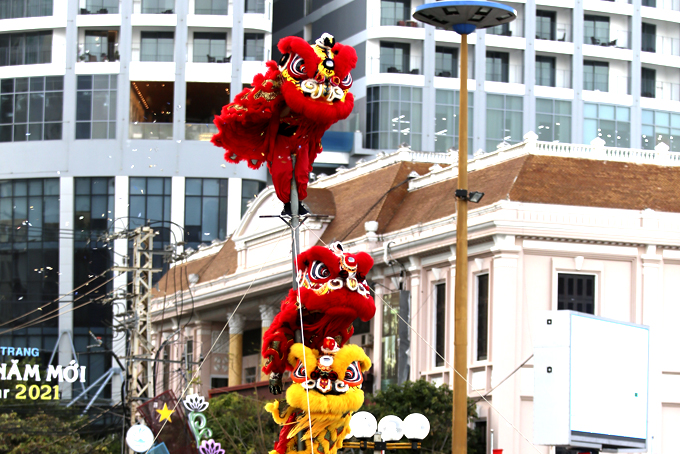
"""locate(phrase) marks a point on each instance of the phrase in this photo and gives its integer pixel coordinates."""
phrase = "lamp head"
(363, 425)
(417, 426)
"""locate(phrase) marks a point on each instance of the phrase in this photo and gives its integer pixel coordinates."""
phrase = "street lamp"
(463, 17)
(385, 435)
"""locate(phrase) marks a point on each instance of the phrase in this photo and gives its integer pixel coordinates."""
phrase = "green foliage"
(435, 402)
(46, 434)
(241, 424)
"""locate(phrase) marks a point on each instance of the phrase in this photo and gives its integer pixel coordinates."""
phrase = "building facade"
(570, 72)
(107, 111)
(560, 226)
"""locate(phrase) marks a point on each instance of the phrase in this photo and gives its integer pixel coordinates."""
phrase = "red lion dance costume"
(288, 109)
(332, 292)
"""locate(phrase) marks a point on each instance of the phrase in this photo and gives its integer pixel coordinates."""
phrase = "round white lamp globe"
(363, 425)
(417, 426)
(391, 428)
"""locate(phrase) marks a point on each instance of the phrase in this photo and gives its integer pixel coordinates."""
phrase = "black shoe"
(287, 210)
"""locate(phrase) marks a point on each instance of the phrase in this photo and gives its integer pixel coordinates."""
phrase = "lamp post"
(385, 435)
(463, 17)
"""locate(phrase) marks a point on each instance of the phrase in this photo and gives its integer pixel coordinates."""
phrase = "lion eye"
(319, 271)
(346, 82)
(297, 67)
(353, 375)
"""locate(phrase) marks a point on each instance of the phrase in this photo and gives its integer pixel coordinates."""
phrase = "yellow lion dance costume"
(334, 390)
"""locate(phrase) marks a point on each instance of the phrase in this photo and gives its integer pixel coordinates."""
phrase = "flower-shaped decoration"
(194, 402)
(210, 447)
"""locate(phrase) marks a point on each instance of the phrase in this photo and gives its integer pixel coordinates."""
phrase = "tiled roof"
(383, 196)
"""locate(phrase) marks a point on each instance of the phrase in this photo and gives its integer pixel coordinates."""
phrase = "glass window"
(394, 117)
(545, 71)
(648, 83)
(576, 292)
(390, 333)
(595, 75)
(25, 48)
(29, 260)
(610, 123)
(253, 46)
(545, 25)
(503, 120)
(254, 6)
(440, 324)
(660, 127)
(595, 30)
(395, 12)
(446, 120)
(99, 46)
(482, 317)
(497, 69)
(96, 107)
(205, 212)
(11, 9)
(151, 111)
(503, 30)
(31, 112)
(394, 57)
(553, 120)
(213, 7)
(158, 7)
(157, 46)
(446, 61)
(249, 190)
(648, 37)
(210, 47)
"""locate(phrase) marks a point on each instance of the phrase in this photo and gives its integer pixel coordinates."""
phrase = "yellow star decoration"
(165, 413)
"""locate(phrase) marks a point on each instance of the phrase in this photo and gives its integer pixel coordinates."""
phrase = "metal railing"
(414, 66)
(557, 32)
(513, 74)
(664, 4)
(199, 131)
(97, 52)
(660, 44)
(153, 131)
(666, 90)
(100, 7)
(602, 82)
(514, 28)
(561, 79)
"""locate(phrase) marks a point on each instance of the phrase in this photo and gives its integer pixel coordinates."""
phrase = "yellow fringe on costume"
(329, 414)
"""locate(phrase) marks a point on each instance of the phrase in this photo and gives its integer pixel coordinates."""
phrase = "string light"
(139, 93)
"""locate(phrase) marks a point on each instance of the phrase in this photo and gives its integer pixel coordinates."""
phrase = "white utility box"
(591, 379)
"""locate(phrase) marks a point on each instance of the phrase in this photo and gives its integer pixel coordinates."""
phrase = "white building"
(107, 110)
(561, 226)
(571, 71)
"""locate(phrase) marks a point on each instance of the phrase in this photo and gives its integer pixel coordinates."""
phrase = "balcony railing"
(513, 74)
(514, 28)
(617, 38)
(212, 7)
(666, 90)
(557, 32)
(414, 66)
(562, 79)
(100, 7)
(89, 52)
(158, 7)
(198, 131)
(602, 82)
(153, 131)
(660, 44)
(203, 54)
(664, 4)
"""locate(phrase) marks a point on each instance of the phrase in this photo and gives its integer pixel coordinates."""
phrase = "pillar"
(267, 314)
(66, 252)
(506, 338)
(236, 349)
(120, 249)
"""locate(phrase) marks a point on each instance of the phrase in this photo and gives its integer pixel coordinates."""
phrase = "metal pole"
(459, 438)
(294, 222)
